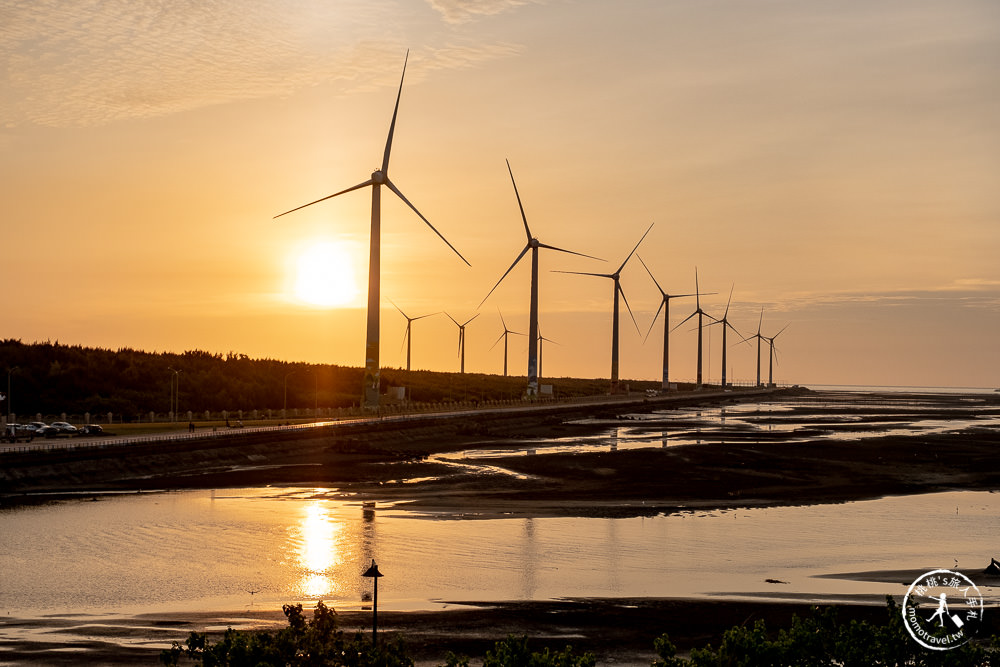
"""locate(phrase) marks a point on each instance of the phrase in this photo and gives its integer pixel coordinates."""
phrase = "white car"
(64, 427)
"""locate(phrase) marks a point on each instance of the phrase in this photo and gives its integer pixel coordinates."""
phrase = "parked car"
(91, 429)
(65, 428)
(35, 426)
(18, 432)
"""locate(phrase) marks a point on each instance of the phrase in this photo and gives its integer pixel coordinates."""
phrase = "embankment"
(331, 454)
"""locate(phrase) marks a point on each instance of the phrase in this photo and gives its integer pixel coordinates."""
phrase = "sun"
(325, 275)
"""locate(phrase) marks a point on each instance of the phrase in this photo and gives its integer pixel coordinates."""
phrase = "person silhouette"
(941, 610)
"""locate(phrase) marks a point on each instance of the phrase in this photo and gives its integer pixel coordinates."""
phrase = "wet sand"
(808, 463)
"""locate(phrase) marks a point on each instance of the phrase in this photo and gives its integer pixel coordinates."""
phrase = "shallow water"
(230, 550)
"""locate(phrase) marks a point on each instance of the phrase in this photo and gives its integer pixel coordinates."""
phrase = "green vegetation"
(318, 642)
(818, 640)
(304, 642)
(54, 379)
(821, 640)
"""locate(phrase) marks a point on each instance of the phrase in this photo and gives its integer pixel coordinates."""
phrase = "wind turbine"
(759, 338)
(614, 325)
(506, 332)
(725, 325)
(665, 307)
(461, 337)
(408, 336)
(770, 364)
(378, 178)
(700, 313)
(533, 245)
(540, 339)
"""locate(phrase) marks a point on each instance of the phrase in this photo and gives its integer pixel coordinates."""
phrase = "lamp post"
(175, 392)
(374, 574)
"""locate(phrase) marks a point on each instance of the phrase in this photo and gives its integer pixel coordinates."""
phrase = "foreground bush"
(820, 640)
(318, 643)
(306, 643)
(514, 652)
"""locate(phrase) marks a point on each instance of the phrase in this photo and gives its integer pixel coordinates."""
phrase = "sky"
(833, 166)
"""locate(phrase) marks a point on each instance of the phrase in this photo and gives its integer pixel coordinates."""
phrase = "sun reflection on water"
(318, 549)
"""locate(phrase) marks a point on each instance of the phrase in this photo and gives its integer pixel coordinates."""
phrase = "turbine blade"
(735, 330)
(524, 218)
(634, 249)
(399, 194)
(581, 273)
(511, 268)
(726, 314)
(498, 339)
(654, 280)
(453, 319)
(392, 125)
(629, 309)
(651, 324)
(350, 189)
(471, 318)
(399, 309)
(697, 290)
(571, 252)
(684, 320)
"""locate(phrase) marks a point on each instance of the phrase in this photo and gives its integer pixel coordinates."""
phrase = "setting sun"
(325, 275)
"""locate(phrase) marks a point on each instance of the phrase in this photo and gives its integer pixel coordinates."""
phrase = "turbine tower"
(759, 338)
(665, 307)
(700, 313)
(506, 332)
(378, 178)
(408, 336)
(770, 363)
(540, 339)
(533, 245)
(461, 337)
(614, 324)
(725, 325)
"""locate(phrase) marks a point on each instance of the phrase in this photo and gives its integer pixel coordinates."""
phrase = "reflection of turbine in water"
(367, 546)
(528, 582)
(318, 549)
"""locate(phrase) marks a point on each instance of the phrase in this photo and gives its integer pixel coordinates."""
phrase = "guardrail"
(454, 409)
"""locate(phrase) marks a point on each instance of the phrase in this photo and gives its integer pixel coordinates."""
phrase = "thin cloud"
(80, 64)
(981, 294)
(463, 11)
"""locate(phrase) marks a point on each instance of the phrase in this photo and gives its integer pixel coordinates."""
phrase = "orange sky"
(836, 162)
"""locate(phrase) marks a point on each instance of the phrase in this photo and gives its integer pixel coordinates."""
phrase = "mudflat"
(812, 448)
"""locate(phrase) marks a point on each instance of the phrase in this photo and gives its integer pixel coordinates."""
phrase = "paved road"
(181, 435)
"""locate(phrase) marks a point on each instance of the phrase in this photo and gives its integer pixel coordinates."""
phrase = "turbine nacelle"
(379, 177)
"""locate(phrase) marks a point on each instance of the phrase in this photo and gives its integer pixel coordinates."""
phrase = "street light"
(175, 393)
(373, 573)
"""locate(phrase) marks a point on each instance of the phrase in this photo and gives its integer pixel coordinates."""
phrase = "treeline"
(52, 378)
